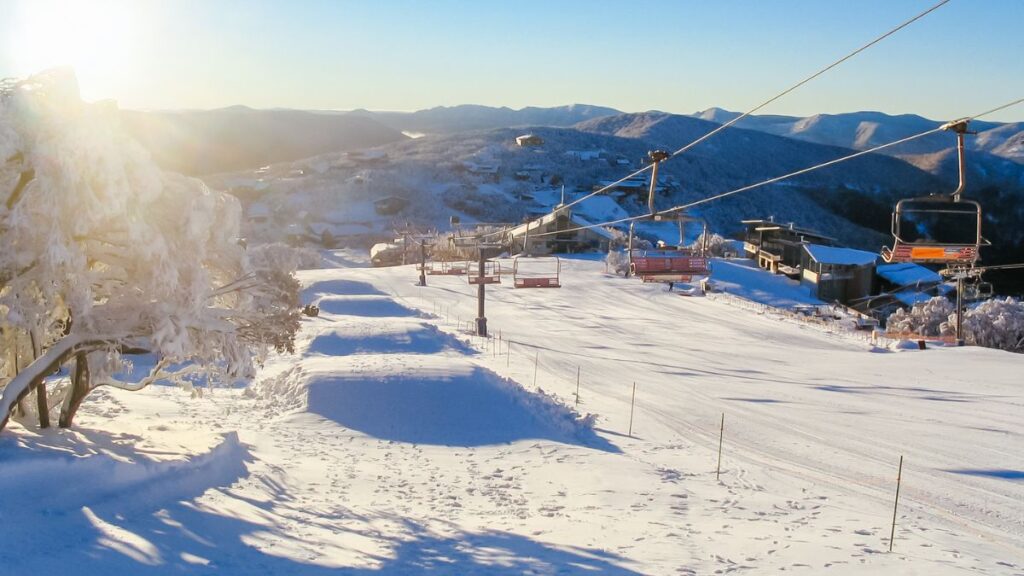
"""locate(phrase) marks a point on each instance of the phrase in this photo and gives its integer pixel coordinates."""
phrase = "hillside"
(467, 117)
(392, 442)
(237, 138)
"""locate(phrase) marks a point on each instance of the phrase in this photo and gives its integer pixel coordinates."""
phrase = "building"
(837, 274)
(527, 140)
(779, 247)
(486, 170)
(544, 235)
(389, 205)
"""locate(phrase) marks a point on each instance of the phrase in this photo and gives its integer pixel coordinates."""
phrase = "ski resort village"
(253, 322)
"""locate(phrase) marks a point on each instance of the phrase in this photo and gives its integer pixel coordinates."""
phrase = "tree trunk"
(40, 385)
(20, 386)
(79, 390)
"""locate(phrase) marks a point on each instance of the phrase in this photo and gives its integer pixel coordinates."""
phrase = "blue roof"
(907, 273)
(840, 256)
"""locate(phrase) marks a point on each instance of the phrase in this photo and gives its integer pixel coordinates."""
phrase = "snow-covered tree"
(994, 324)
(105, 255)
(925, 318)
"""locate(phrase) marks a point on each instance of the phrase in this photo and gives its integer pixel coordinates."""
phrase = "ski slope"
(394, 442)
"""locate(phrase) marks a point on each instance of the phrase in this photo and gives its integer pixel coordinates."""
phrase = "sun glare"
(98, 38)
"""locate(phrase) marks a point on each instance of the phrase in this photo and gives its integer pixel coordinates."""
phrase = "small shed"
(837, 274)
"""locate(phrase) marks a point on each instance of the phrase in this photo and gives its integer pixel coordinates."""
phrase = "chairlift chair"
(536, 272)
(668, 265)
(491, 275)
(941, 228)
(444, 268)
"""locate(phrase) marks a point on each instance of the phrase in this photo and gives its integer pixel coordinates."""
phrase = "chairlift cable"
(756, 108)
(802, 171)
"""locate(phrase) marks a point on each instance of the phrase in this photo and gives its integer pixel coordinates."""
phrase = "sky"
(677, 55)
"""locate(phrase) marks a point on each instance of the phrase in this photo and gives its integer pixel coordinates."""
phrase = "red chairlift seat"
(491, 275)
(668, 265)
(444, 268)
(536, 272)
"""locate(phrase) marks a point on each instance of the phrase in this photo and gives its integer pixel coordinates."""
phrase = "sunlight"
(97, 38)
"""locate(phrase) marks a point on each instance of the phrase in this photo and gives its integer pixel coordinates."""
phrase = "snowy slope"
(391, 442)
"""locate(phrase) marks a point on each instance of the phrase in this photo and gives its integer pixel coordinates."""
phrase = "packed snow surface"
(392, 442)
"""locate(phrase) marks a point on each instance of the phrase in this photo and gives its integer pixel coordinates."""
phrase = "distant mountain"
(754, 155)
(454, 119)
(238, 138)
(861, 130)
(988, 151)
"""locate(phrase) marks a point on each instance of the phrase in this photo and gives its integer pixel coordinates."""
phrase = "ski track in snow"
(393, 443)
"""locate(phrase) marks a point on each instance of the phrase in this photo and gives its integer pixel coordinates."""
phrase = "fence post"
(577, 385)
(721, 434)
(536, 361)
(632, 402)
(899, 477)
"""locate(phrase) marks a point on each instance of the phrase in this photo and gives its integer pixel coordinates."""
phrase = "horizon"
(518, 109)
(400, 56)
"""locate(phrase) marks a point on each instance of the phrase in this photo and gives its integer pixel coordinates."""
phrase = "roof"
(768, 225)
(549, 218)
(907, 273)
(840, 256)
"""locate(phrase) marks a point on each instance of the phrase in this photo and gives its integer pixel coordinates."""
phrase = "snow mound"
(425, 401)
(374, 306)
(398, 336)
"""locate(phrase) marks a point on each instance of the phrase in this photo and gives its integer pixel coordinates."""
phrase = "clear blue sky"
(675, 55)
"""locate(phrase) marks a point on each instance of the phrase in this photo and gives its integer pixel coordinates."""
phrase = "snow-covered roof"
(906, 274)
(549, 218)
(840, 256)
(912, 297)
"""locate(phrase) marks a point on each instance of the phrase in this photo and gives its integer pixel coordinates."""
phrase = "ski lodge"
(837, 274)
(779, 247)
(556, 233)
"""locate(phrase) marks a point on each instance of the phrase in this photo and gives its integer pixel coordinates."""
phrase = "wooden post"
(899, 477)
(536, 362)
(632, 402)
(721, 434)
(577, 385)
(481, 318)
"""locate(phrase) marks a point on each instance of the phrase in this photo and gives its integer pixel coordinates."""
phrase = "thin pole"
(899, 477)
(536, 361)
(577, 385)
(721, 434)
(632, 402)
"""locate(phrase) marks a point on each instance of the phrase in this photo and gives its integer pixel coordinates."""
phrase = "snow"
(392, 442)
(907, 274)
(840, 256)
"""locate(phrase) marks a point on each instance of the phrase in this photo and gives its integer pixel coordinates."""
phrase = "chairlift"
(491, 274)
(938, 229)
(443, 268)
(536, 272)
(668, 265)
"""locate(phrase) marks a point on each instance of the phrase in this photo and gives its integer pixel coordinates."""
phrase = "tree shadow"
(1002, 474)
(144, 517)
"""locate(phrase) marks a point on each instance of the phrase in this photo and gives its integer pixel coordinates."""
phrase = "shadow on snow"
(474, 408)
